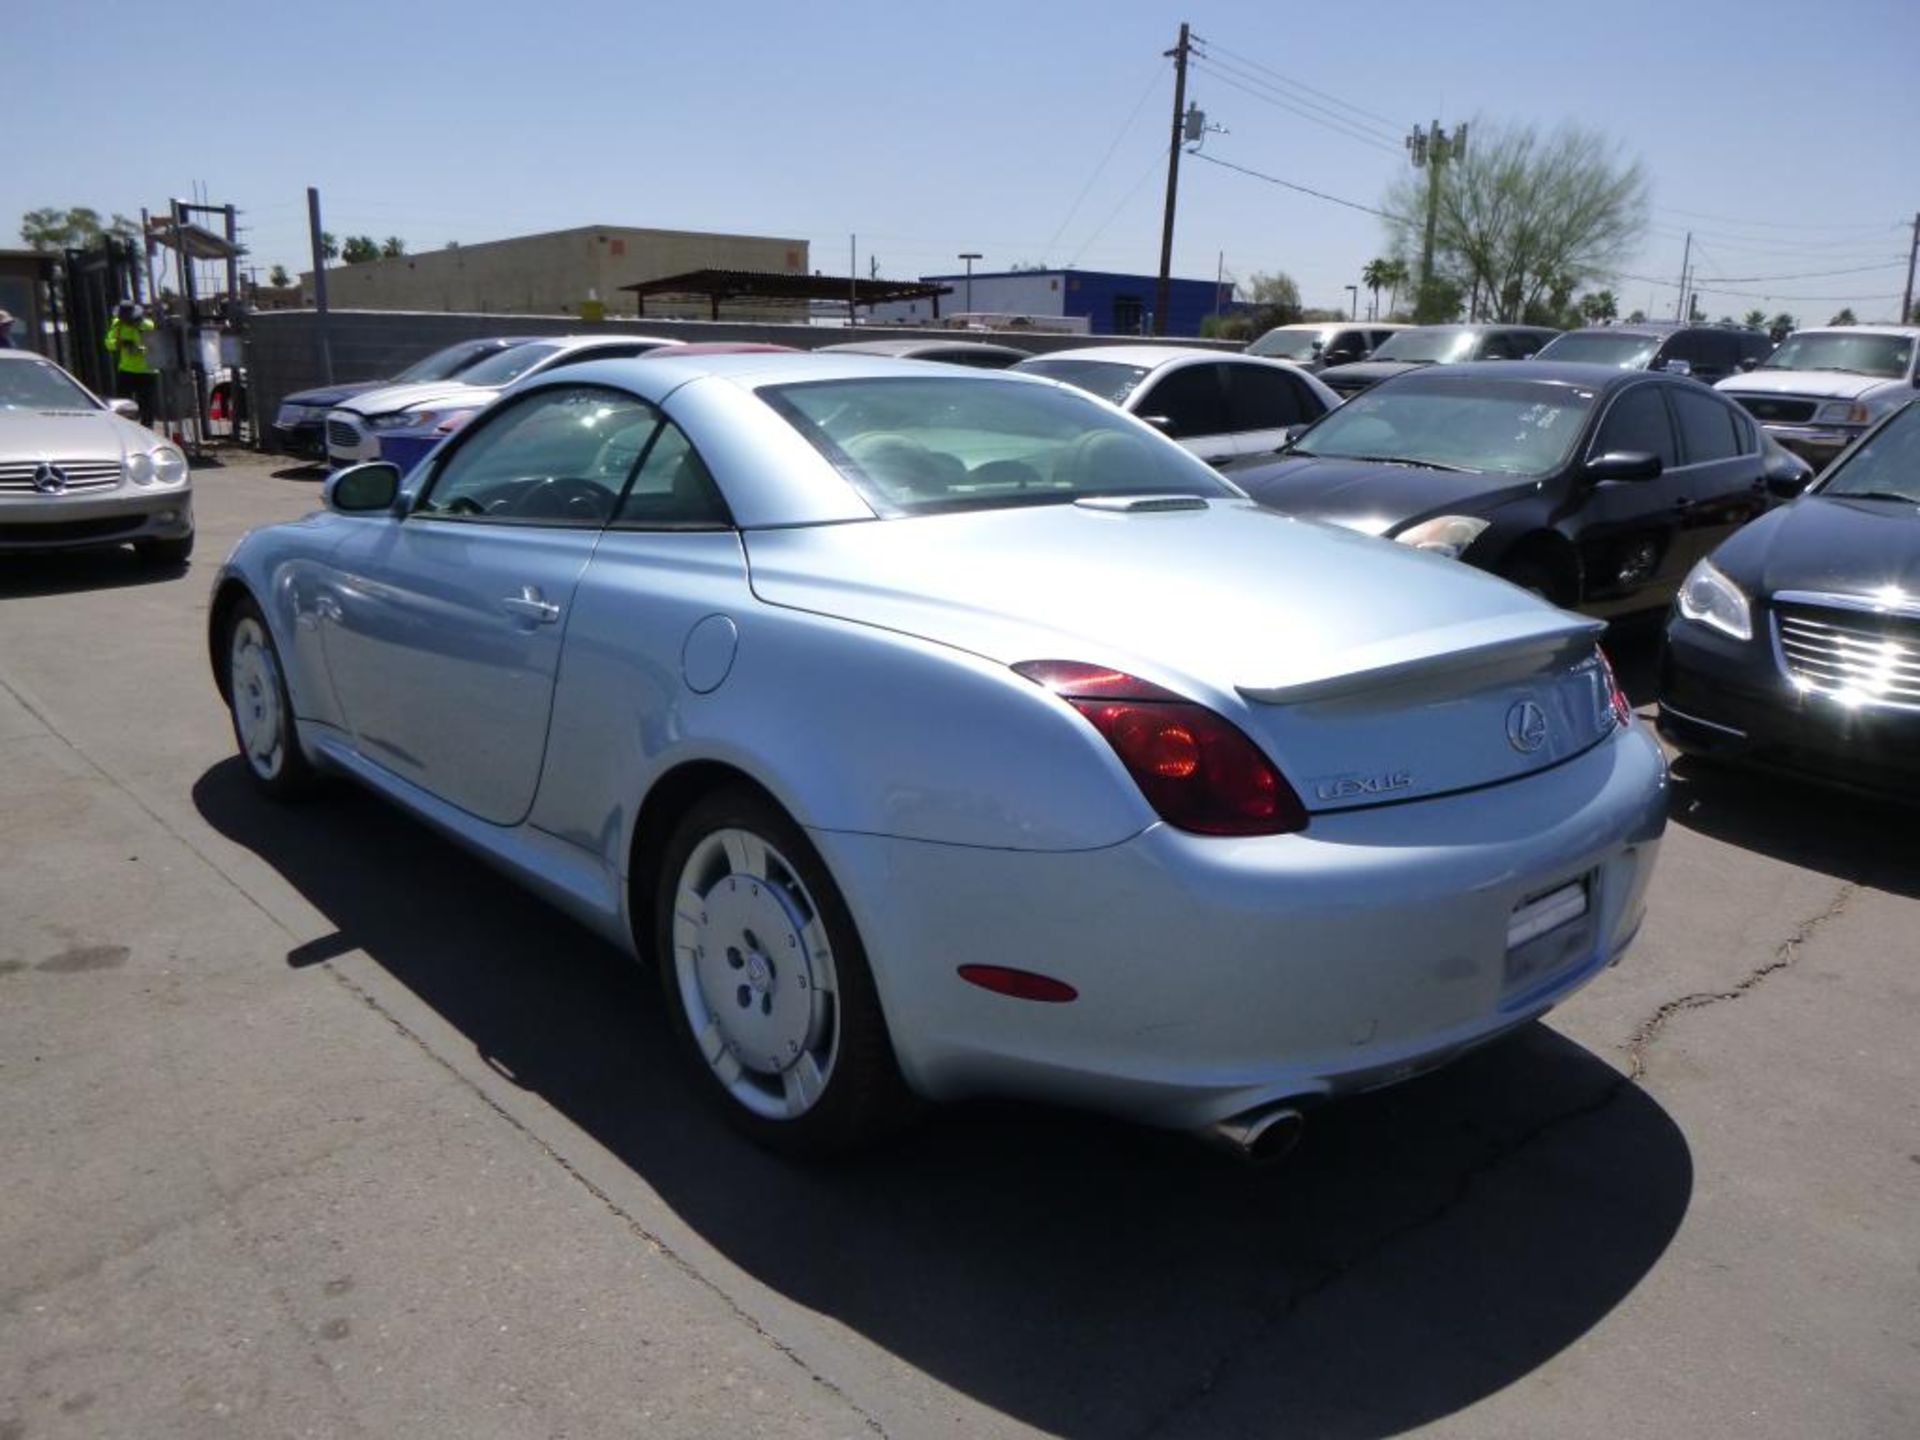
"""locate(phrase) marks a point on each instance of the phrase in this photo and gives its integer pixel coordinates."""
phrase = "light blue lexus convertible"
(938, 732)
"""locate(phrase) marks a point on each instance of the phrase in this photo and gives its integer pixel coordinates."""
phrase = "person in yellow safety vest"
(126, 342)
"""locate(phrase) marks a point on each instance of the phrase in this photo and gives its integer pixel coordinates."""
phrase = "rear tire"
(262, 711)
(766, 982)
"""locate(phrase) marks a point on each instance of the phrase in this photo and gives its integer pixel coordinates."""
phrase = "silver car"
(75, 471)
(941, 733)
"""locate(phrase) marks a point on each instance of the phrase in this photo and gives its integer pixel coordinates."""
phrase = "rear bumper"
(50, 523)
(1215, 975)
(1726, 699)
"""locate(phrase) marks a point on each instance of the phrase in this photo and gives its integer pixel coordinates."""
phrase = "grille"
(343, 434)
(1870, 659)
(1776, 407)
(66, 531)
(16, 476)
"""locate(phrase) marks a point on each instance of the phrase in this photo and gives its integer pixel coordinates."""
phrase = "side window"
(1690, 346)
(1191, 400)
(553, 457)
(673, 489)
(1527, 342)
(1638, 421)
(1262, 399)
(1377, 338)
(1498, 345)
(1707, 425)
(601, 352)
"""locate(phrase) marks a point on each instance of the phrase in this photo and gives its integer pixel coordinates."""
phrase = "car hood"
(1830, 543)
(1368, 372)
(1829, 383)
(70, 435)
(330, 395)
(1366, 668)
(388, 398)
(1372, 498)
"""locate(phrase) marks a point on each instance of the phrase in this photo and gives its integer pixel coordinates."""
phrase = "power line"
(1113, 214)
(1779, 224)
(1289, 185)
(1159, 73)
(1337, 127)
(1393, 126)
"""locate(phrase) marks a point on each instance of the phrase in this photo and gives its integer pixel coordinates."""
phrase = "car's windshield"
(1883, 356)
(1887, 466)
(1508, 427)
(1287, 344)
(1435, 345)
(913, 446)
(508, 365)
(444, 364)
(1597, 347)
(1108, 379)
(36, 385)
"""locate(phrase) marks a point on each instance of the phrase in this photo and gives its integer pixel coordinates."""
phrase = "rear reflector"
(1020, 984)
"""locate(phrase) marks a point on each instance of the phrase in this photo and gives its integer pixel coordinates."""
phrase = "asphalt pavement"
(312, 1125)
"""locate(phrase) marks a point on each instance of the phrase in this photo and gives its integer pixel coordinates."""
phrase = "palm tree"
(1393, 277)
(1599, 308)
(393, 247)
(1375, 275)
(1781, 326)
(1756, 318)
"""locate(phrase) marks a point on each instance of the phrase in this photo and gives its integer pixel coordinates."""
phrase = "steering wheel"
(559, 497)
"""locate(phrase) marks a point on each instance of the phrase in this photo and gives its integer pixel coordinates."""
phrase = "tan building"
(559, 272)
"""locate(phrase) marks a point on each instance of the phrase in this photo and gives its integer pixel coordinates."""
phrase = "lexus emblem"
(49, 478)
(1526, 727)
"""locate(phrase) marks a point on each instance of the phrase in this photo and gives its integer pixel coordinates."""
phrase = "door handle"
(529, 604)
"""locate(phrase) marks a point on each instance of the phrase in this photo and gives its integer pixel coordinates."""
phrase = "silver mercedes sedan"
(76, 472)
(940, 732)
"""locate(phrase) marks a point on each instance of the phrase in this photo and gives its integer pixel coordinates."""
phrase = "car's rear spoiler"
(1421, 654)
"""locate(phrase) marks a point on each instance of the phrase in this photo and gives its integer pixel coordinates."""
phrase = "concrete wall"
(554, 273)
(283, 346)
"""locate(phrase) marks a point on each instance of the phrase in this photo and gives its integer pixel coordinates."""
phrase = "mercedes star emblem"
(49, 478)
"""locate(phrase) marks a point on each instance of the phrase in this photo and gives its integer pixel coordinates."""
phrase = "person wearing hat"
(126, 342)
(6, 331)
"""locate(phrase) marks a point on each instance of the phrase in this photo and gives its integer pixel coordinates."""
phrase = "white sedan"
(942, 733)
(76, 472)
(1221, 407)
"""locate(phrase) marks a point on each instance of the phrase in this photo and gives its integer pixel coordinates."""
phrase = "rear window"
(1624, 352)
(1110, 381)
(912, 446)
(508, 365)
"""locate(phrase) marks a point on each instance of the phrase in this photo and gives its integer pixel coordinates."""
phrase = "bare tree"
(1523, 216)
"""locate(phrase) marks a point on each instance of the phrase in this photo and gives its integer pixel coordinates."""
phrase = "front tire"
(262, 710)
(766, 982)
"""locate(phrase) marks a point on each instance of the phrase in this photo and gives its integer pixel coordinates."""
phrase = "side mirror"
(1624, 465)
(125, 409)
(362, 489)
(1340, 357)
(1788, 485)
(1747, 362)
(1292, 433)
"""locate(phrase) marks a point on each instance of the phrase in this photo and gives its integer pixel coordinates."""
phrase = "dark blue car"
(299, 427)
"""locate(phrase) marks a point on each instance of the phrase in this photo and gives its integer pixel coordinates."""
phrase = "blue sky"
(1783, 134)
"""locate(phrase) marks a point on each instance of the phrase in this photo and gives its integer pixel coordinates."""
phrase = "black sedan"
(299, 426)
(1406, 350)
(1796, 645)
(1596, 488)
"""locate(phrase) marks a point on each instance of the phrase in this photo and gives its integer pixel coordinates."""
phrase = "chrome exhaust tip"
(1262, 1136)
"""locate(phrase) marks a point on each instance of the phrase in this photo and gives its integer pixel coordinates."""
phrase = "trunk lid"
(1367, 671)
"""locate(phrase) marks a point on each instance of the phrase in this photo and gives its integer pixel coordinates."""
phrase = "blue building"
(1098, 302)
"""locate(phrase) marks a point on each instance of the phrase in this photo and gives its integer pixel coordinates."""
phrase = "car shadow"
(1425, 1247)
(1633, 648)
(1836, 832)
(63, 572)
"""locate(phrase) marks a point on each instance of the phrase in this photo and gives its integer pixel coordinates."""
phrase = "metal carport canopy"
(718, 285)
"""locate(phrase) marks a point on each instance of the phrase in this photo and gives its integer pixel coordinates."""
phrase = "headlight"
(1710, 598)
(390, 422)
(140, 469)
(169, 466)
(1845, 412)
(1449, 535)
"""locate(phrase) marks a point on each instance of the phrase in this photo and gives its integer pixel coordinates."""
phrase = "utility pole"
(1686, 258)
(1432, 149)
(319, 284)
(970, 256)
(1913, 251)
(1163, 291)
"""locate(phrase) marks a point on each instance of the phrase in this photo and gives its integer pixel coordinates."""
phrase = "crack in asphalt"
(1785, 955)
(632, 1222)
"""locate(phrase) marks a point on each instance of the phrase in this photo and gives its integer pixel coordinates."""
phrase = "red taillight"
(1616, 697)
(1195, 768)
